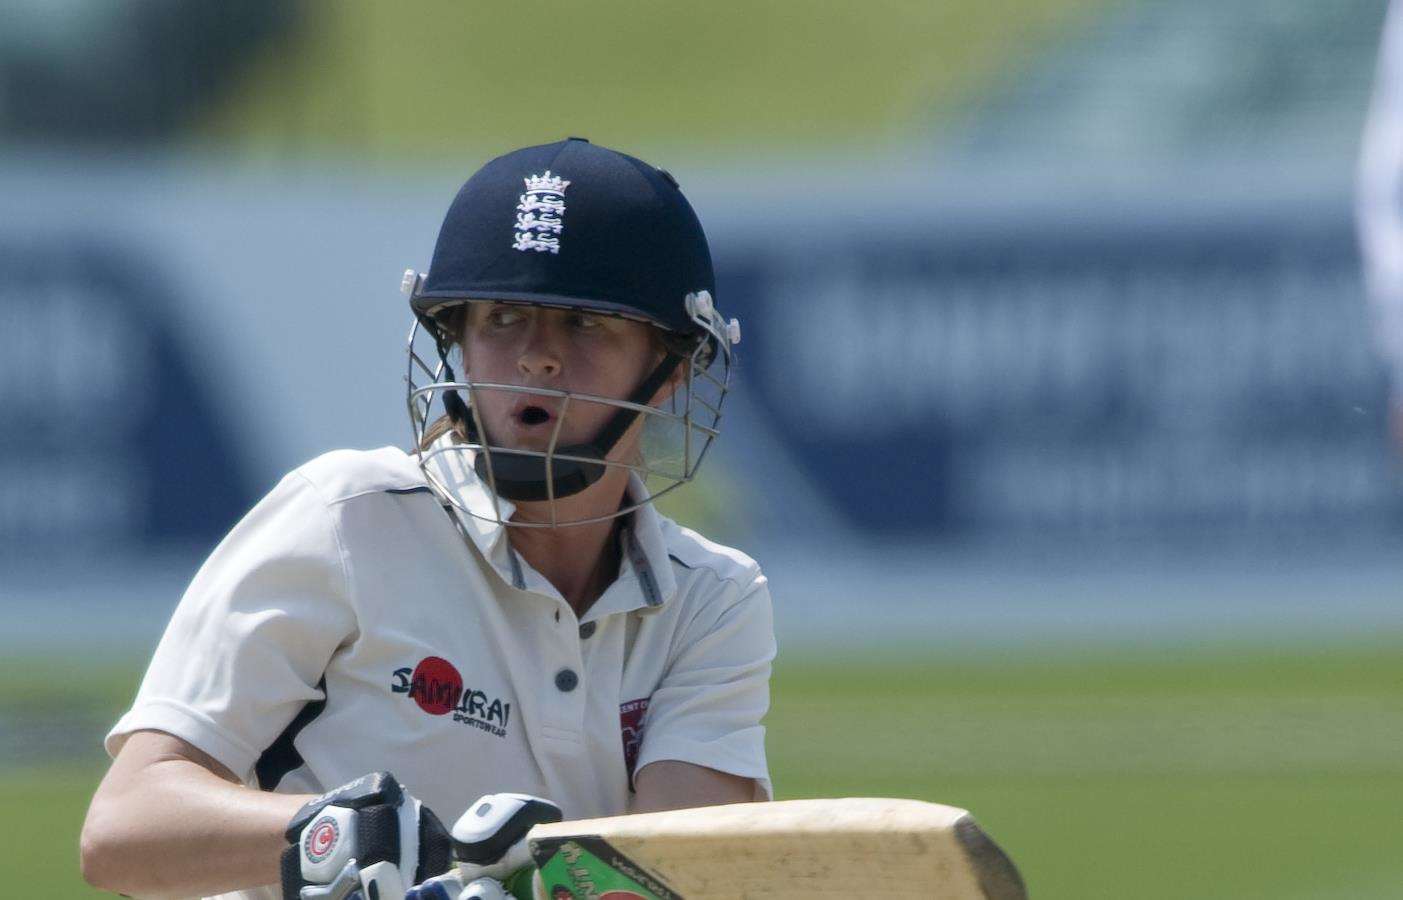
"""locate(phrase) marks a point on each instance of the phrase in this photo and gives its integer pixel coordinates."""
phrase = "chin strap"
(521, 477)
(452, 404)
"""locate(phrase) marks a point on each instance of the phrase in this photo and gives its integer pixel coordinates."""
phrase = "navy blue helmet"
(578, 226)
(572, 224)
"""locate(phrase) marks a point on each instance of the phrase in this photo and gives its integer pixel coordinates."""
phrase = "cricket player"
(1380, 210)
(388, 636)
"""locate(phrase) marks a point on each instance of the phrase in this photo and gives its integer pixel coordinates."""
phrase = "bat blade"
(859, 847)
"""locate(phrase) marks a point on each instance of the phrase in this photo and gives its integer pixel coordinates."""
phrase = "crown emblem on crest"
(540, 213)
(547, 182)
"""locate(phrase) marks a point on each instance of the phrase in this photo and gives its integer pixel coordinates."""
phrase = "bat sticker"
(586, 867)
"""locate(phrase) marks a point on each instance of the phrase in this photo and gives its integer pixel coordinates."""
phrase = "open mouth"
(534, 415)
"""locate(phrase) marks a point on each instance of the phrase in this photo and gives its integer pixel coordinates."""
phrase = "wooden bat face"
(785, 851)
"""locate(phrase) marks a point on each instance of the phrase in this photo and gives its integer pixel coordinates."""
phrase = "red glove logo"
(321, 839)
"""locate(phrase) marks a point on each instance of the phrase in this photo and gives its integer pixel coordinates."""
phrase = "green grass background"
(1228, 772)
(729, 78)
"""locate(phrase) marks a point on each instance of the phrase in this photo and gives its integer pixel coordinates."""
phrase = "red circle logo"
(321, 839)
(436, 685)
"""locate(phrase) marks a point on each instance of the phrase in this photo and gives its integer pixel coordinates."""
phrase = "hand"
(489, 847)
(452, 887)
(368, 838)
(490, 838)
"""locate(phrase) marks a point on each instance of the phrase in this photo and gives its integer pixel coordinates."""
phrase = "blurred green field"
(1211, 773)
(440, 78)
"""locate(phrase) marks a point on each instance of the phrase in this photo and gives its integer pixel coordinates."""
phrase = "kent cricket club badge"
(540, 214)
(631, 729)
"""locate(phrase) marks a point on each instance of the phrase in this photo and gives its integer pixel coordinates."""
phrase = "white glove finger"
(409, 838)
(440, 887)
(489, 839)
(484, 889)
(382, 880)
(340, 887)
(517, 856)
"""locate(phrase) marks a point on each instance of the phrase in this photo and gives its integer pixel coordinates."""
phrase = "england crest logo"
(540, 214)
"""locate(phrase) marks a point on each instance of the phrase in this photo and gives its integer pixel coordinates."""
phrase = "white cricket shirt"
(346, 626)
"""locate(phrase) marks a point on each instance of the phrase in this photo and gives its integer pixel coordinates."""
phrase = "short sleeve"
(248, 643)
(708, 708)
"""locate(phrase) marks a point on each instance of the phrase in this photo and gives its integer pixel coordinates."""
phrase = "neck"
(580, 561)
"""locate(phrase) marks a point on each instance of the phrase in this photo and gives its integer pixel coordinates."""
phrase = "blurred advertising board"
(1121, 370)
(109, 435)
(926, 370)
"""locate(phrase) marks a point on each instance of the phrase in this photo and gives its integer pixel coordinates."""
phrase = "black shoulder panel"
(281, 756)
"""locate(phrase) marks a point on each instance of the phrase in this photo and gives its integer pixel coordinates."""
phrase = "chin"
(539, 442)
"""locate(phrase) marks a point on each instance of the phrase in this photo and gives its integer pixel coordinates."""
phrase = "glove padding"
(489, 840)
(490, 848)
(366, 840)
(453, 887)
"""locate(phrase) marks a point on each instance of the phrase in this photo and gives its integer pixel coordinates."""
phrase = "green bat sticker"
(518, 883)
(587, 868)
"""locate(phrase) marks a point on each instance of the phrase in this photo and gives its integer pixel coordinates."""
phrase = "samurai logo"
(436, 686)
(540, 212)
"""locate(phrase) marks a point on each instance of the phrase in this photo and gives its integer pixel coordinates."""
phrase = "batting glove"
(489, 840)
(366, 840)
(453, 887)
(489, 848)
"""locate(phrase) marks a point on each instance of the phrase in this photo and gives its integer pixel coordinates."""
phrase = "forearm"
(169, 827)
(670, 784)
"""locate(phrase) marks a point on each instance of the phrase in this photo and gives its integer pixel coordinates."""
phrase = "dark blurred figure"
(79, 72)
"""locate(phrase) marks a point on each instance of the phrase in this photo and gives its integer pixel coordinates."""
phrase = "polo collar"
(645, 549)
(454, 470)
(645, 557)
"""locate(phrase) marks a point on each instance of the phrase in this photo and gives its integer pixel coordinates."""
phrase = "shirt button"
(586, 631)
(566, 680)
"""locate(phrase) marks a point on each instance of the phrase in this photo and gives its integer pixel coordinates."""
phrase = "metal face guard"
(691, 420)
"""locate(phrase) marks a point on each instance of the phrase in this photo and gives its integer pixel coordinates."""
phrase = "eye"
(502, 316)
(586, 322)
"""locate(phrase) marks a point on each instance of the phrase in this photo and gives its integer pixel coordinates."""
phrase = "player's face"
(560, 349)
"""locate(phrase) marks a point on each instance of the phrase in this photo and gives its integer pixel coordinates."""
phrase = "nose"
(539, 357)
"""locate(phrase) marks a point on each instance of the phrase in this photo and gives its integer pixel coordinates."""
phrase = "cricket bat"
(782, 851)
